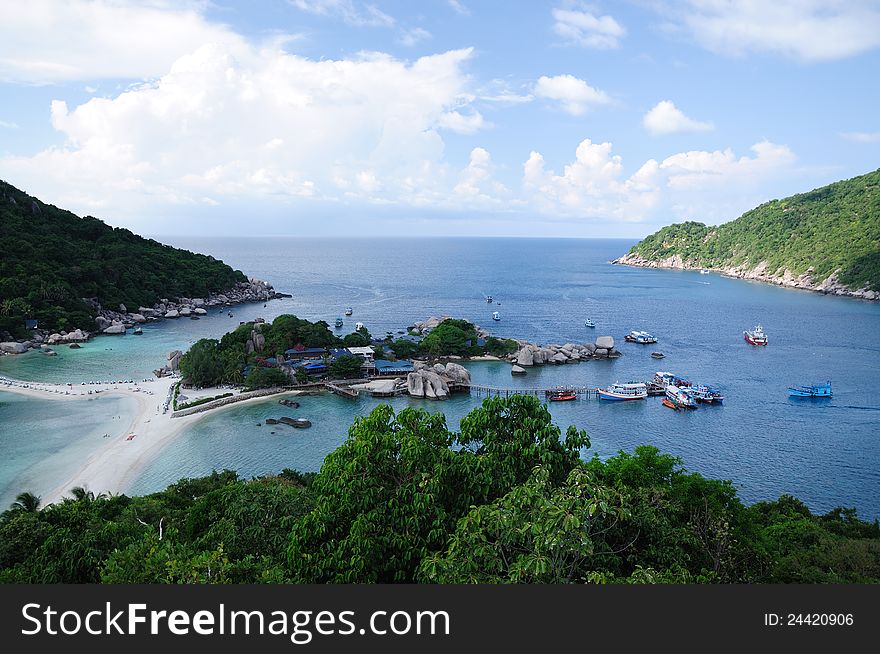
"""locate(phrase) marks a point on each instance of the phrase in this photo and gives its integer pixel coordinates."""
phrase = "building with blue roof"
(384, 367)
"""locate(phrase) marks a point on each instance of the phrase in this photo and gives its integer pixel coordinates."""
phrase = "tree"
(536, 533)
(404, 349)
(346, 367)
(260, 377)
(26, 502)
(202, 365)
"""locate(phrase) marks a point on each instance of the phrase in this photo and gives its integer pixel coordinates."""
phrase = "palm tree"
(26, 502)
(82, 494)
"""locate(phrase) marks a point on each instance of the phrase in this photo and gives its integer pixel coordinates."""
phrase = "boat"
(589, 323)
(349, 311)
(666, 378)
(562, 396)
(669, 403)
(657, 355)
(642, 338)
(339, 323)
(489, 299)
(707, 395)
(496, 315)
(755, 336)
(815, 390)
(682, 397)
(629, 391)
(704, 272)
(358, 326)
(138, 331)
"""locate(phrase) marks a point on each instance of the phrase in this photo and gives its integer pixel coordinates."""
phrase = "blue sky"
(323, 117)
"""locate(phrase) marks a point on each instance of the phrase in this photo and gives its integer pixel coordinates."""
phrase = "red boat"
(668, 403)
(755, 336)
(562, 396)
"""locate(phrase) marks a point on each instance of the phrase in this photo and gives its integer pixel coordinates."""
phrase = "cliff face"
(827, 240)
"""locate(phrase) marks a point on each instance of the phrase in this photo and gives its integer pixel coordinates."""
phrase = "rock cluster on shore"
(424, 327)
(531, 354)
(760, 273)
(434, 382)
(110, 321)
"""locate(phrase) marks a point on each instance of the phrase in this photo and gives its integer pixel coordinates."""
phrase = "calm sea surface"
(825, 452)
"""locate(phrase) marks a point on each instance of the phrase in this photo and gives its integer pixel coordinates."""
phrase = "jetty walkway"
(480, 390)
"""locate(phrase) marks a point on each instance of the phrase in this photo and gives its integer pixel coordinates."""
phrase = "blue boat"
(339, 323)
(816, 390)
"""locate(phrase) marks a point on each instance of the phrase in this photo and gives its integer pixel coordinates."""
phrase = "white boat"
(643, 338)
(681, 397)
(755, 336)
(589, 323)
(349, 311)
(496, 315)
(704, 272)
(358, 326)
(619, 392)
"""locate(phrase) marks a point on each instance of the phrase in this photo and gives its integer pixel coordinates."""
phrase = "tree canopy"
(829, 229)
(53, 259)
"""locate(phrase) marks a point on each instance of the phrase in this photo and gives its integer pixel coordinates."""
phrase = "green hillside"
(52, 259)
(833, 228)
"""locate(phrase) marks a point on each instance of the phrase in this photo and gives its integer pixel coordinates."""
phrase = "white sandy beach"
(114, 466)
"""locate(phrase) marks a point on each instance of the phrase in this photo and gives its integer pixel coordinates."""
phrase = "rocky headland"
(831, 285)
(117, 321)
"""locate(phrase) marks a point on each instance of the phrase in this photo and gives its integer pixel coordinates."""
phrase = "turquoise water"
(825, 452)
(45, 441)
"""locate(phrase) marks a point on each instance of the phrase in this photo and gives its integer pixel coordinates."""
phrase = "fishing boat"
(496, 315)
(562, 396)
(339, 323)
(707, 395)
(670, 404)
(642, 338)
(683, 398)
(816, 390)
(755, 336)
(657, 355)
(349, 311)
(589, 323)
(138, 331)
(619, 392)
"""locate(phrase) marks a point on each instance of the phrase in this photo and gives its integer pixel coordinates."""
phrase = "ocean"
(826, 452)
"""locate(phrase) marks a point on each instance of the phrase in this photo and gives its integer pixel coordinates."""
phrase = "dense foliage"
(833, 228)
(53, 259)
(210, 362)
(506, 499)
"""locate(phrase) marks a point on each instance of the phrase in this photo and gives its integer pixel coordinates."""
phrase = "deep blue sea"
(826, 452)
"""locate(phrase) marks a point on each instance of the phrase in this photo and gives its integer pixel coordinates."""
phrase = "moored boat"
(589, 323)
(640, 337)
(707, 395)
(682, 397)
(562, 396)
(349, 311)
(619, 392)
(496, 315)
(670, 404)
(339, 323)
(815, 390)
(755, 336)
(704, 272)
(657, 355)
(666, 378)
(489, 299)
(138, 331)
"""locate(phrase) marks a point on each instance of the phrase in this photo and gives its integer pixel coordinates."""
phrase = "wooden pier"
(342, 391)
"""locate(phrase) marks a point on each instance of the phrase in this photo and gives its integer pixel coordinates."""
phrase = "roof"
(361, 351)
(306, 350)
(383, 366)
(340, 352)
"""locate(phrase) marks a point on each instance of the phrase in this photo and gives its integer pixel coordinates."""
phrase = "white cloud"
(412, 36)
(808, 30)
(862, 137)
(462, 123)
(458, 7)
(43, 41)
(575, 95)
(250, 123)
(351, 12)
(476, 182)
(702, 185)
(581, 27)
(8, 125)
(666, 118)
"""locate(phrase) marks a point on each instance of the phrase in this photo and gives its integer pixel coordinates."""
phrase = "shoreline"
(116, 464)
(830, 286)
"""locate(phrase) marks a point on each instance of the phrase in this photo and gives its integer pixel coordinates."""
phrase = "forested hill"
(827, 239)
(52, 259)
